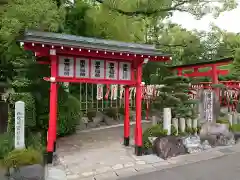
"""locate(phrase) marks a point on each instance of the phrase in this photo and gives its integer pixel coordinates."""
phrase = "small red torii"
(79, 59)
(213, 73)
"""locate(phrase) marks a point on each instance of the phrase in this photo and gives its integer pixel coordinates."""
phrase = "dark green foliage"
(6, 144)
(154, 131)
(174, 95)
(68, 116)
(30, 110)
(189, 130)
(173, 130)
(236, 127)
(35, 141)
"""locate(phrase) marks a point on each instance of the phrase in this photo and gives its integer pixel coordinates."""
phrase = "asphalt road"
(222, 168)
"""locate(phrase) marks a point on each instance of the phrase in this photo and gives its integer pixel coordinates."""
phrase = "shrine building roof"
(219, 62)
(71, 41)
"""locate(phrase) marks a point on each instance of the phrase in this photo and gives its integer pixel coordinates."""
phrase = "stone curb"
(112, 126)
(147, 167)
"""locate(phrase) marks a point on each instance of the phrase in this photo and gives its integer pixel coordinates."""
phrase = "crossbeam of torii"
(213, 73)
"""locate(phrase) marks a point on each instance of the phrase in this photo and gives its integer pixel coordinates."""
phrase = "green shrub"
(154, 131)
(23, 157)
(174, 131)
(236, 127)
(35, 141)
(194, 130)
(6, 144)
(68, 116)
(189, 130)
(222, 121)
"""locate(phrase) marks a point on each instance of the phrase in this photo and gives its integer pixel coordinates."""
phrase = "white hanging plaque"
(82, 68)
(99, 91)
(111, 70)
(114, 92)
(19, 125)
(97, 69)
(65, 66)
(121, 91)
(125, 71)
(131, 91)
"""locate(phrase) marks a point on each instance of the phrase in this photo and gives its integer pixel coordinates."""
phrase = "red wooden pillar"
(126, 118)
(214, 74)
(52, 129)
(215, 78)
(179, 72)
(138, 126)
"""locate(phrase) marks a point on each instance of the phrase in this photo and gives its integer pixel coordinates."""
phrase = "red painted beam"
(202, 66)
(208, 73)
(92, 81)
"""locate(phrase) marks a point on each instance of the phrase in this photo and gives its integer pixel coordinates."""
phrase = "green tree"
(198, 8)
(173, 93)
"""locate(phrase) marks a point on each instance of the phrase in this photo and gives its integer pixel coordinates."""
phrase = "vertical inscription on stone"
(19, 125)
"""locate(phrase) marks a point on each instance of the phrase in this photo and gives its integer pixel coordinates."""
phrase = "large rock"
(99, 118)
(193, 144)
(32, 172)
(216, 134)
(169, 146)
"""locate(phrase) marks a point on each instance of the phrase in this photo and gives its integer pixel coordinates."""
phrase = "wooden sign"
(65, 66)
(97, 69)
(124, 71)
(19, 125)
(82, 68)
(111, 70)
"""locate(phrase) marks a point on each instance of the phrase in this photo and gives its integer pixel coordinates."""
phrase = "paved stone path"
(100, 155)
(226, 167)
(93, 153)
(2, 174)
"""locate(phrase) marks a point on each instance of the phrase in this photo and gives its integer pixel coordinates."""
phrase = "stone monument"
(209, 106)
(19, 125)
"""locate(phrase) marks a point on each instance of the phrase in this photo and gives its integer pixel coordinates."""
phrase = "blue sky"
(228, 21)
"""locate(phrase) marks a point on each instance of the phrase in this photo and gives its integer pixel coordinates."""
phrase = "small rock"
(129, 164)
(88, 173)
(117, 166)
(140, 162)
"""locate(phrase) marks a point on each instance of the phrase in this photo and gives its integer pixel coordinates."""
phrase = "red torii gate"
(213, 73)
(78, 59)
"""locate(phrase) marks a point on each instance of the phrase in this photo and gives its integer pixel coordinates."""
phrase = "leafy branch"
(147, 12)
